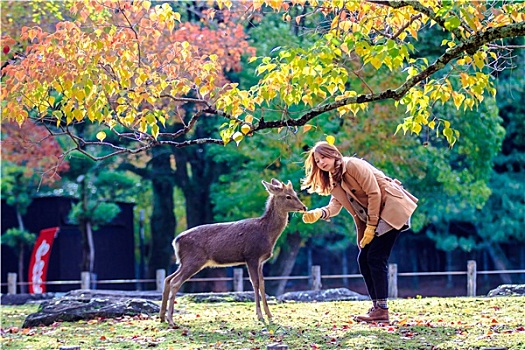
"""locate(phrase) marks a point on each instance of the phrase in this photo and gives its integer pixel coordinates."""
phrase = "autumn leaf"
(101, 135)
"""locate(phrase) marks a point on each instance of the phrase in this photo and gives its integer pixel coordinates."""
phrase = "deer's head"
(284, 196)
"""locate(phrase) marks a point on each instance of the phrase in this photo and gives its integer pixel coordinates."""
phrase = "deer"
(247, 242)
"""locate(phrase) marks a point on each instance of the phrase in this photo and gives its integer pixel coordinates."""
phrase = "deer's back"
(228, 242)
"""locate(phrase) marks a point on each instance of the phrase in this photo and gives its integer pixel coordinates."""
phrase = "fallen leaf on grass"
(13, 330)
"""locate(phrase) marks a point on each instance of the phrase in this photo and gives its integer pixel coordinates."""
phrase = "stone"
(102, 293)
(24, 298)
(75, 308)
(336, 294)
(508, 290)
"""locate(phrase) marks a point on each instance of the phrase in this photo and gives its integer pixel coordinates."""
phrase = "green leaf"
(452, 23)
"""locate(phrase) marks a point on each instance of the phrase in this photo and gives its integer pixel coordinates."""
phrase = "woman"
(381, 209)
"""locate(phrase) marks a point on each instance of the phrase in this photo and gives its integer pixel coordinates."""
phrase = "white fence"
(315, 279)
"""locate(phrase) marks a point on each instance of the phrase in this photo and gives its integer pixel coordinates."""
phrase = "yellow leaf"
(249, 118)
(458, 99)
(155, 131)
(101, 135)
(376, 62)
(344, 48)
(345, 26)
(416, 128)
(330, 139)
(479, 60)
(237, 137)
(245, 129)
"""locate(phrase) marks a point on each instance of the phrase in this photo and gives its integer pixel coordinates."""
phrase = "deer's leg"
(166, 295)
(182, 275)
(253, 272)
(263, 293)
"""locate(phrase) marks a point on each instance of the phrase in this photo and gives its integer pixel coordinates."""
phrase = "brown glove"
(312, 216)
(368, 236)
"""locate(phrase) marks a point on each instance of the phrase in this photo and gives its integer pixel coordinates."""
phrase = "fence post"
(316, 277)
(93, 281)
(11, 283)
(392, 281)
(161, 276)
(471, 278)
(85, 280)
(238, 285)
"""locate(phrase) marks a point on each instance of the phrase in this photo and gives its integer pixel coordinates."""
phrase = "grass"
(421, 323)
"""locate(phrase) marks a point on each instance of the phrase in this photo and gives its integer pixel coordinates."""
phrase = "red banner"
(39, 260)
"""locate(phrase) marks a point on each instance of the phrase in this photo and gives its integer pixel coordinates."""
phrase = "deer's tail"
(175, 245)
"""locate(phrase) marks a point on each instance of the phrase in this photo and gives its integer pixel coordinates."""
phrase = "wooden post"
(471, 278)
(161, 276)
(316, 277)
(11, 283)
(85, 280)
(238, 285)
(392, 281)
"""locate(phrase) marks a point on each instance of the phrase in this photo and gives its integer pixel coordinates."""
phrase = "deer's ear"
(266, 185)
(270, 188)
(277, 183)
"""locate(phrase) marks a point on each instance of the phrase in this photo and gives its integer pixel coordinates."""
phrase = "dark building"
(114, 244)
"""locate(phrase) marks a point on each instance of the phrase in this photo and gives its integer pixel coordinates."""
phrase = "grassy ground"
(426, 323)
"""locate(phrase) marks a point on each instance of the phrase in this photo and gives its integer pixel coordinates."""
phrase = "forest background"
(469, 179)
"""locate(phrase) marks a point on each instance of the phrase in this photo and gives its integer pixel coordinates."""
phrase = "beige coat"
(383, 197)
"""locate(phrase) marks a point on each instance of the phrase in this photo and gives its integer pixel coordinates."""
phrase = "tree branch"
(470, 45)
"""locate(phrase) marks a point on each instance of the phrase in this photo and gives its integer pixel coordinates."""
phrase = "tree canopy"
(129, 68)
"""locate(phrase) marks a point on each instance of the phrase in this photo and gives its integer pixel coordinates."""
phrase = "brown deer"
(249, 241)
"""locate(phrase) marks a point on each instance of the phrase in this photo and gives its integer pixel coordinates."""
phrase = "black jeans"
(373, 264)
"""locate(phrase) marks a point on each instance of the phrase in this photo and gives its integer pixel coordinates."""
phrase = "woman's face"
(324, 163)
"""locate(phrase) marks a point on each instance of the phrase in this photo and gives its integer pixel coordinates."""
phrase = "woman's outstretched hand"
(312, 216)
(368, 236)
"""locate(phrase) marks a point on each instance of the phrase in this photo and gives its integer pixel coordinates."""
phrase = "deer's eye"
(288, 196)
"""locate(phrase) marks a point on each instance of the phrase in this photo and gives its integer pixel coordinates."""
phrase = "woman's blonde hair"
(317, 180)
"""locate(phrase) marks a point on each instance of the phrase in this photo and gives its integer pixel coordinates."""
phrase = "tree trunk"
(500, 261)
(91, 246)
(163, 221)
(20, 221)
(196, 172)
(450, 281)
(85, 227)
(23, 287)
(285, 262)
(85, 246)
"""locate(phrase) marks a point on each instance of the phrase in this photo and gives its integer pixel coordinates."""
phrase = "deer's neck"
(275, 219)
